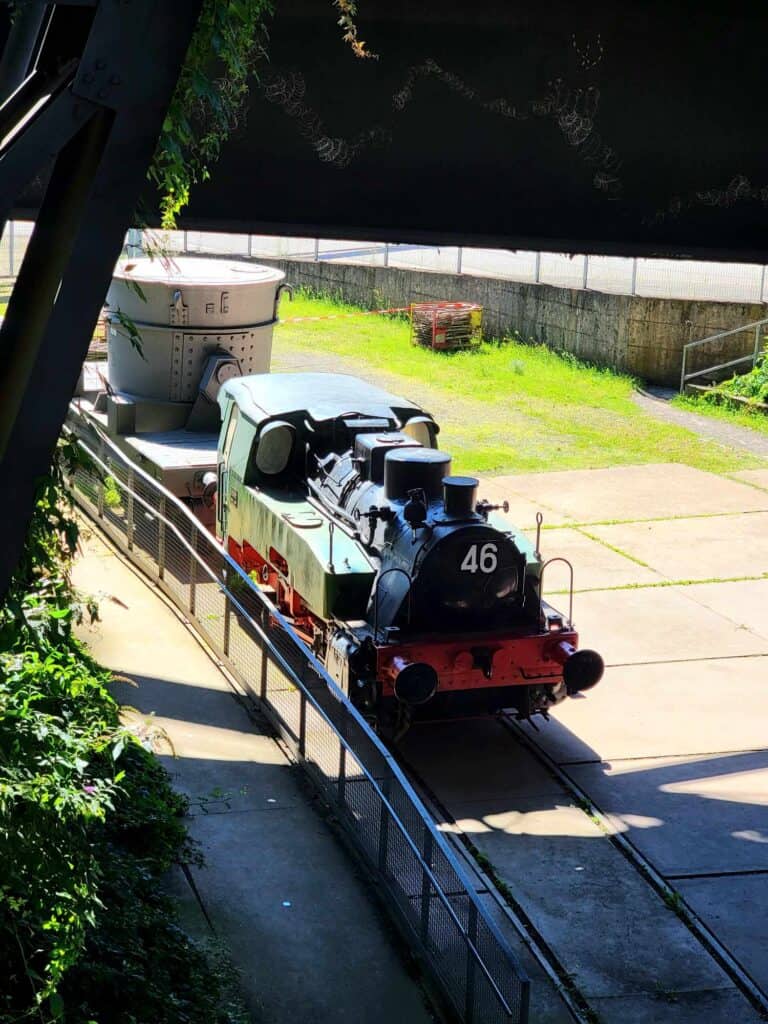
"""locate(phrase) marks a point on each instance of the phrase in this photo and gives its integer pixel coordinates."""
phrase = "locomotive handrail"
(394, 568)
(433, 839)
(321, 501)
(557, 558)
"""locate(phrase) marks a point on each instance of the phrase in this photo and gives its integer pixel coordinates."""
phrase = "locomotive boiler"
(421, 597)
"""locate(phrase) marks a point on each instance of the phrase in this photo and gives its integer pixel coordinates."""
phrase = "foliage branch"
(208, 101)
(88, 821)
(752, 386)
(210, 97)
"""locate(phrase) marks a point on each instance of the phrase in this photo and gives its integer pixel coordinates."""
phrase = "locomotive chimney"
(410, 469)
(460, 496)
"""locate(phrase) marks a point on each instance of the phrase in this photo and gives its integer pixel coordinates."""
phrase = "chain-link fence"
(13, 245)
(425, 887)
(652, 278)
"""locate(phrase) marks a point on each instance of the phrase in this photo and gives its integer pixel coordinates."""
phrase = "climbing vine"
(347, 20)
(208, 102)
(210, 97)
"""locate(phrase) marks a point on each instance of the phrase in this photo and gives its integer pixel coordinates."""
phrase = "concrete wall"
(640, 336)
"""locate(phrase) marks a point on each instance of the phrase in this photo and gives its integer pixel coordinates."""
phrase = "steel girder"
(97, 117)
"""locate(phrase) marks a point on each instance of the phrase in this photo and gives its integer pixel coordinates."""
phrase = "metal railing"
(636, 276)
(650, 278)
(708, 371)
(424, 885)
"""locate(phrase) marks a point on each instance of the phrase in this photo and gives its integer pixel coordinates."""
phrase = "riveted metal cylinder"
(407, 469)
(184, 311)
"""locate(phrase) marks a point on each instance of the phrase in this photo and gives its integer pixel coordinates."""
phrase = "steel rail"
(720, 953)
(541, 950)
(271, 651)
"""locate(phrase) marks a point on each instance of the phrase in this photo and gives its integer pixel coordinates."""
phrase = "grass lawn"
(502, 407)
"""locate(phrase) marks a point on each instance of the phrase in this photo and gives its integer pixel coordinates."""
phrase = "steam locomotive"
(420, 599)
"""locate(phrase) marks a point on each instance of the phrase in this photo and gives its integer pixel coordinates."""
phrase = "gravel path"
(656, 402)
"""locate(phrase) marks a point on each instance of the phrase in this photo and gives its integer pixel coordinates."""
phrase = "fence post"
(185, 241)
(130, 508)
(302, 721)
(386, 254)
(161, 539)
(11, 239)
(682, 370)
(317, 249)
(634, 276)
(342, 773)
(537, 269)
(426, 885)
(250, 246)
(384, 825)
(459, 257)
(762, 284)
(756, 352)
(227, 615)
(192, 570)
(100, 491)
(469, 1004)
(264, 663)
(585, 275)
(133, 241)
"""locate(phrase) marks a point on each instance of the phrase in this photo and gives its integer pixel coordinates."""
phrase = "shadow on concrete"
(696, 815)
(278, 888)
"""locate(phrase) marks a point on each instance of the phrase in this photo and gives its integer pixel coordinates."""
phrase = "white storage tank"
(186, 310)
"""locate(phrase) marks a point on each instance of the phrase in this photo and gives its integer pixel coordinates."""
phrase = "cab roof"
(322, 396)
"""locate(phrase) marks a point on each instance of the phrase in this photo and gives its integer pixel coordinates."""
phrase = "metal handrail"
(436, 837)
(557, 558)
(298, 682)
(755, 325)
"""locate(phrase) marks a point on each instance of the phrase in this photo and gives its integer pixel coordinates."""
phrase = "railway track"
(501, 837)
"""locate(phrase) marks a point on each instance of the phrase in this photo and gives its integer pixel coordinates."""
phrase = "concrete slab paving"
(609, 930)
(658, 624)
(282, 894)
(474, 756)
(635, 492)
(663, 1006)
(594, 564)
(696, 707)
(756, 477)
(522, 510)
(744, 602)
(696, 549)
(736, 910)
(687, 814)
(590, 905)
(298, 923)
(119, 593)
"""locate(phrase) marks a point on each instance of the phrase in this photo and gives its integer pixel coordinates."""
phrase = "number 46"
(481, 559)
